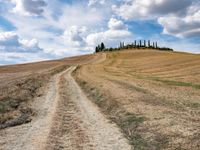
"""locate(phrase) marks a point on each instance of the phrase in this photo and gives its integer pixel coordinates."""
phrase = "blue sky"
(34, 30)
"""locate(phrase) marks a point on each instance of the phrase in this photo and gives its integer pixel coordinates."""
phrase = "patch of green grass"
(138, 142)
(174, 83)
(2, 108)
(8, 104)
(177, 83)
(193, 105)
(129, 123)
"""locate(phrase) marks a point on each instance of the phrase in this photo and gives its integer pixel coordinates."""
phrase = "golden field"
(154, 96)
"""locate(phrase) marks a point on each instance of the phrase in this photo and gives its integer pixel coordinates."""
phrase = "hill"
(151, 96)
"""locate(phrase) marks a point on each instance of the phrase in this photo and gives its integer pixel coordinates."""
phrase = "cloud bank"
(179, 18)
(29, 7)
(57, 28)
(10, 42)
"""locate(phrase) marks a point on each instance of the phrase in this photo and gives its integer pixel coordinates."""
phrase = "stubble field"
(153, 96)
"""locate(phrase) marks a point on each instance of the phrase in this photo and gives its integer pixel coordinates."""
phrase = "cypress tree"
(99, 48)
(96, 49)
(149, 43)
(121, 45)
(144, 43)
(102, 46)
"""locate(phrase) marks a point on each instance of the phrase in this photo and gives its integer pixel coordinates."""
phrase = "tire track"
(79, 124)
(66, 131)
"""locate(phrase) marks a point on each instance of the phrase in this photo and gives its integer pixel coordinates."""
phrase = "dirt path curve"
(79, 124)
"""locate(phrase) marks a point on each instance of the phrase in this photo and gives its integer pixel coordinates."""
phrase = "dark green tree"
(96, 49)
(149, 43)
(120, 45)
(102, 46)
(99, 48)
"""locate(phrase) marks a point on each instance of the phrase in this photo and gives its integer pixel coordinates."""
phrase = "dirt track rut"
(82, 124)
(67, 119)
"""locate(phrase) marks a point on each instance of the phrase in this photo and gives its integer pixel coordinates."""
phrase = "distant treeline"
(137, 45)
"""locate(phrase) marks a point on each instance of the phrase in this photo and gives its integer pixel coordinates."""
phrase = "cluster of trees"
(101, 47)
(137, 44)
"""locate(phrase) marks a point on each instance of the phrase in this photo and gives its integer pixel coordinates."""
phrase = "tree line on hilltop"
(136, 45)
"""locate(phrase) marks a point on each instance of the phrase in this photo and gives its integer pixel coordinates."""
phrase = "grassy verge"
(15, 98)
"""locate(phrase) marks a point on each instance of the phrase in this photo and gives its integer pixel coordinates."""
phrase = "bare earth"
(69, 122)
(33, 135)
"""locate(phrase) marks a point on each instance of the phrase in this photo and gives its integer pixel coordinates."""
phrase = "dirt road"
(79, 124)
(66, 119)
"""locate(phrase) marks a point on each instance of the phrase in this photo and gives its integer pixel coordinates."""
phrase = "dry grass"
(162, 88)
(15, 99)
(128, 122)
(20, 84)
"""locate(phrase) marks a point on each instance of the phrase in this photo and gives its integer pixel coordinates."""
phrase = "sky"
(34, 30)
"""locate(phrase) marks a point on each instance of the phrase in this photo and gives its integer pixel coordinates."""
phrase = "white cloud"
(8, 39)
(115, 24)
(147, 9)
(188, 26)
(14, 49)
(117, 31)
(10, 42)
(80, 16)
(179, 18)
(29, 43)
(110, 37)
(16, 57)
(29, 7)
(93, 2)
(67, 20)
(73, 36)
